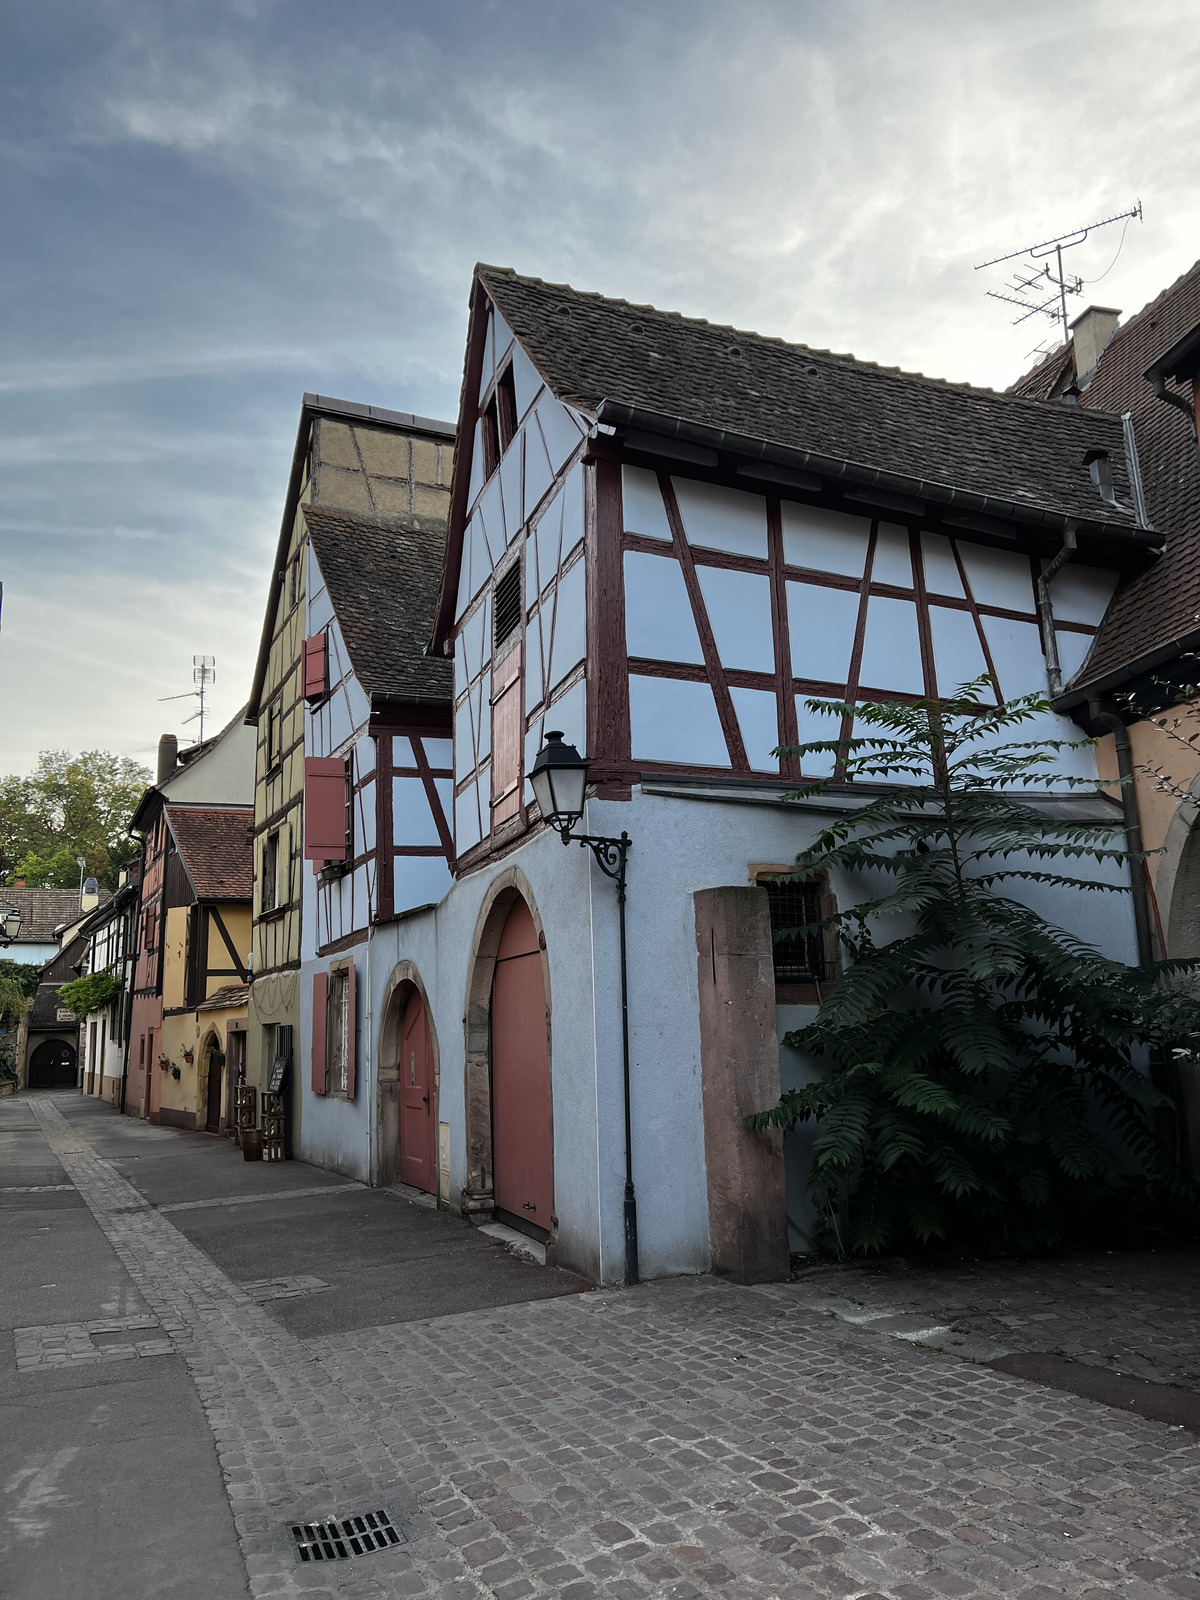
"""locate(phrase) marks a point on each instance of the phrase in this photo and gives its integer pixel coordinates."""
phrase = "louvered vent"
(508, 604)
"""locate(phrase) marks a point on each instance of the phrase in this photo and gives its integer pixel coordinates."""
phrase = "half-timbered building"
(217, 776)
(378, 800)
(356, 459)
(666, 536)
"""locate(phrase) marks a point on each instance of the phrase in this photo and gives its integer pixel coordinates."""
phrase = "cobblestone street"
(689, 1438)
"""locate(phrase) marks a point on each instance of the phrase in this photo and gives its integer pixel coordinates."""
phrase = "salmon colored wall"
(1153, 748)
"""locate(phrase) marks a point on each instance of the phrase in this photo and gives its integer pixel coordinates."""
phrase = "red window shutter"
(351, 1028)
(324, 808)
(316, 666)
(508, 728)
(320, 1030)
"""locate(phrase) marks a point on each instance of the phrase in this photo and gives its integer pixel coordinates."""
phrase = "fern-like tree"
(985, 1079)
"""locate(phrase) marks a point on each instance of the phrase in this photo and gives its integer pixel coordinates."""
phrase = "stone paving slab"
(681, 1440)
(1136, 1314)
(694, 1438)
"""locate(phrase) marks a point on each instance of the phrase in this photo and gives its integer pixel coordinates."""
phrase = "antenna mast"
(204, 672)
(1032, 279)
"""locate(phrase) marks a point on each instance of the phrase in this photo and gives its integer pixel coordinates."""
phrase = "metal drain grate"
(345, 1537)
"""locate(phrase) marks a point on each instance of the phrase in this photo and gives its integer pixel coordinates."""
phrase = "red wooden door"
(418, 1165)
(521, 1157)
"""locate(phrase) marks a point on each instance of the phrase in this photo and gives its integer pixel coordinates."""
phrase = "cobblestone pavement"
(680, 1440)
(1134, 1314)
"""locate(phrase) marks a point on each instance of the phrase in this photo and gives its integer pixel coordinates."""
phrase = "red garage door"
(521, 1076)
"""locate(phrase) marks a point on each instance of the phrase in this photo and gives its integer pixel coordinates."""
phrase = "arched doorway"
(522, 1162)
(214, 1060)
(52, 1065)
(418, 1119)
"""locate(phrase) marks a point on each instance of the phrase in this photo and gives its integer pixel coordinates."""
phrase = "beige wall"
(1152, 749)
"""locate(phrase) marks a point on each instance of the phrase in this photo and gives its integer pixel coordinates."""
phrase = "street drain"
(345, 1537)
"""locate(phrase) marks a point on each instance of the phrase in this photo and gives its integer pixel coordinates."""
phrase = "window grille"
(339, 1028)
(507, 612)
(798, 957)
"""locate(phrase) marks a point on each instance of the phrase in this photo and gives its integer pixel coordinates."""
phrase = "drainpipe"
(1159, 384)
(1133, 827)
(1045, 609)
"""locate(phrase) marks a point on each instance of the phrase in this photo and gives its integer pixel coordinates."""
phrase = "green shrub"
(985, 1079)
(85, 995)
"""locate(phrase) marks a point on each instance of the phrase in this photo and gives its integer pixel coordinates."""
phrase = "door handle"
(424, 1099)
(528, 1207)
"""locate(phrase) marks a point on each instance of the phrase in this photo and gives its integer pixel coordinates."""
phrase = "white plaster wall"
(224, 775)
(679, 846)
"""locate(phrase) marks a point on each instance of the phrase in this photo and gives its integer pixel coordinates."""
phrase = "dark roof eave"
(618, 412)
(1181, 361)
(386, 697)
(1108, 682)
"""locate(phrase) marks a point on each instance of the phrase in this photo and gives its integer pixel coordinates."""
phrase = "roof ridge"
(987, 393)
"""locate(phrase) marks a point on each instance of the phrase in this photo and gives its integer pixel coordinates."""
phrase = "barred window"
(799, 957)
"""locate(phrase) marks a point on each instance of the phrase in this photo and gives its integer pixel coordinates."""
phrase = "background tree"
(70, 806)
(983, 1067)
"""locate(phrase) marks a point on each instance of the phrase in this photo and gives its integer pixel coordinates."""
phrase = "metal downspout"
(1045, 610)
(1133, 828)
(1161, 392)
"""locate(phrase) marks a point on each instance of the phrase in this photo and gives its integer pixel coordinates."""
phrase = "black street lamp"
(10, 924)
(559, 779)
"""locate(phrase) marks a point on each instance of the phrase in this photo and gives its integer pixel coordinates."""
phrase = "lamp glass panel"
(567, 785)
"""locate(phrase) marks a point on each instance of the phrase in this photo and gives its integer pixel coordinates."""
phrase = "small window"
(490, 429)
(270, 876)
(507, 611)
(339, 1033)
(799, 957)
(294, 581)
(506, 408)
(274, 740)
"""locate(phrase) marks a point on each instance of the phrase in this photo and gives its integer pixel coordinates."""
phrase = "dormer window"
(499, 419)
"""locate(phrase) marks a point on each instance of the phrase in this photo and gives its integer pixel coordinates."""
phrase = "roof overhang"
(1181, 361)
(983, 513)
(311, 407)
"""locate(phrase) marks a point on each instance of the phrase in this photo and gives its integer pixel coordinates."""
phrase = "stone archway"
(508, 888)
(404, 983)
(52, 1065)
(209, 1084)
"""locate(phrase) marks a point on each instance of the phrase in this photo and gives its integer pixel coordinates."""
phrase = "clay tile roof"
(383, 574)
(1161, 604)
(43, 910)
(946, 439)
(226, 998)
(214, 843)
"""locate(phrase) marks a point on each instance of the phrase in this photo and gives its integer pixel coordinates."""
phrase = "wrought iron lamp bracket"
(610, 854)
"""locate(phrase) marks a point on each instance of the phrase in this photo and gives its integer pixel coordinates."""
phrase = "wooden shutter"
(316, 666)
(320, 1030)
(508, 727)
(324, 808)
(351, 1027)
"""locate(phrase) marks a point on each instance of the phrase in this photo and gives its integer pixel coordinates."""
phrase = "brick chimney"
(168, 757)
(18, 883)
(1091, 331)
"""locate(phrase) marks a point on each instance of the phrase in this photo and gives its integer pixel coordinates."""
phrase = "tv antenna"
(1037, 290)
(204, 672)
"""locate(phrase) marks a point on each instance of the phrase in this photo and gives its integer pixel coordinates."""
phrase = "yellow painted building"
(373, 462)
(205, 989)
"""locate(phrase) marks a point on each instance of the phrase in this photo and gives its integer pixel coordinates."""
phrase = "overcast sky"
(211, 207)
